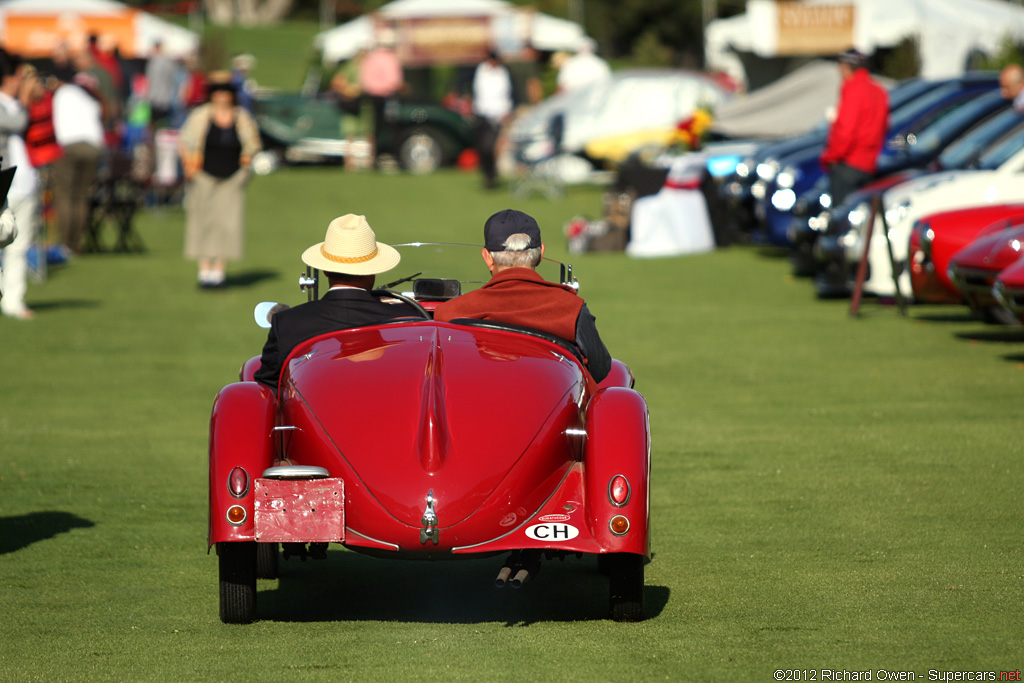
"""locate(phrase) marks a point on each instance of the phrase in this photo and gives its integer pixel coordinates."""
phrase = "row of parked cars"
(941, 221)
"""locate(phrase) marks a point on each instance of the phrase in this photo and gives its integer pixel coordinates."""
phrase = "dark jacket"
(338, 309)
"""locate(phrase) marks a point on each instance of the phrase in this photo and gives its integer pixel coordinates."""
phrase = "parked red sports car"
(449, 441)
(974, 268)
(937, 237)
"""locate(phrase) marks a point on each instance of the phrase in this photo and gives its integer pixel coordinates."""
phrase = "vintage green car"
(302, 128)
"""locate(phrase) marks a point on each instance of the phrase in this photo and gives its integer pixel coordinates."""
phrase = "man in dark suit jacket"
(350, 246)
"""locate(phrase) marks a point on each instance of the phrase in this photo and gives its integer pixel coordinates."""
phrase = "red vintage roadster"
(419, 439)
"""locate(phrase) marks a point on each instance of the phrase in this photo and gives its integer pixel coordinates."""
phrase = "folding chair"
(116, 198)
(536, 163)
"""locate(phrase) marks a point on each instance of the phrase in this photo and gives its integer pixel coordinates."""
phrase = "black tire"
(421, 151)
(237, 582)
(626, 587)
(802, 260)
(267, 555)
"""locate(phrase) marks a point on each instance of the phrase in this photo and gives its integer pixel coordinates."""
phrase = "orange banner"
(36, 35)
(814, 29)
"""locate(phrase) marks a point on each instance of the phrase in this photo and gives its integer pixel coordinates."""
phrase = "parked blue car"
(813, 210)
(918, 130)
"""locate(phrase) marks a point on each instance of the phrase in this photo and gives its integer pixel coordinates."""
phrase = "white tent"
(792, 105)
(947, 31)
(32, 28)
(544, 32)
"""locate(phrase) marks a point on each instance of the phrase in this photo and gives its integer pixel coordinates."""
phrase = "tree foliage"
(624, 26)
(1009, 52)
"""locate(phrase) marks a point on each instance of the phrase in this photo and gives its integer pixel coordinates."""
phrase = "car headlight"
(767, 169)
(897, 212)
(825, 200)
(858, 216)
(819, 222)
(743, 168)
(787, 177)
(759, 189)
(783, 200)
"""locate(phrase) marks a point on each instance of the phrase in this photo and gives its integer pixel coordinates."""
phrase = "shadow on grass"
(1004, 335)
(248, 278)
(946, 317)
(348, 586)
(24, 530)
(46, 306)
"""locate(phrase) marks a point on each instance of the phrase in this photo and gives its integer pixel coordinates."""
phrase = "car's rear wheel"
(421, 151)
(267, 560)
(237, 562)
(625, 586)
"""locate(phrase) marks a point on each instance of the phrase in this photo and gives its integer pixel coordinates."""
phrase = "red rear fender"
(618, 445)
(241, 436)
(249, 368)
(619, 376)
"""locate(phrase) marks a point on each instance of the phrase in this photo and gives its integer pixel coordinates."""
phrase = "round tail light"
(236, 514)
(619, 525)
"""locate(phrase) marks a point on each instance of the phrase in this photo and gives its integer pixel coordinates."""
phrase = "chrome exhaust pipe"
(502, 577)
(521, 566)
(521, 577)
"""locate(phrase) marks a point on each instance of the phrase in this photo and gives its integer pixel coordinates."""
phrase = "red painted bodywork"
(952, 230)
(978, 263)
(504, 430)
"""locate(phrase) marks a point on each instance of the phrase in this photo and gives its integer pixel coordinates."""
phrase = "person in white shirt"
(22, 198)
(583, 69)
(78, 127)
(492, 104)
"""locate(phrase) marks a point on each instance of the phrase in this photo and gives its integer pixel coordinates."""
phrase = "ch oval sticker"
(552, 532)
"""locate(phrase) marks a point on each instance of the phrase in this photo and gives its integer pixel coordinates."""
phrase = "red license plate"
(306, 511)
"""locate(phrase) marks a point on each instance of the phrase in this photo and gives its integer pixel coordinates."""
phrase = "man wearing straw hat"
(350, 257)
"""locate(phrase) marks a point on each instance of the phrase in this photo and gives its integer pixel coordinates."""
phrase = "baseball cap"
(853, 57)
(504, 224)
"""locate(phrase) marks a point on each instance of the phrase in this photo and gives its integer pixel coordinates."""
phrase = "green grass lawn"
(826, 493)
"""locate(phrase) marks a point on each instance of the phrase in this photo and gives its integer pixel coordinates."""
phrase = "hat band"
(347, 259)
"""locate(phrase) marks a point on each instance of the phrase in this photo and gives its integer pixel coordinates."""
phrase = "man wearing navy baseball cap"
(518, 295)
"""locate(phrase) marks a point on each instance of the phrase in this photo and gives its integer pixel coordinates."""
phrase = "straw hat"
(351, 247)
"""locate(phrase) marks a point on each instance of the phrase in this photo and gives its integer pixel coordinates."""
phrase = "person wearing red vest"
(40, 136)
(858, 132)
(517, 295)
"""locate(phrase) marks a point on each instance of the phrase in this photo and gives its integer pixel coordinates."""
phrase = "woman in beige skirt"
(218, 141)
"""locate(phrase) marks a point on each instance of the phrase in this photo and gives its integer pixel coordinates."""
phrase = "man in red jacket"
(516, 294)
(858, 132)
